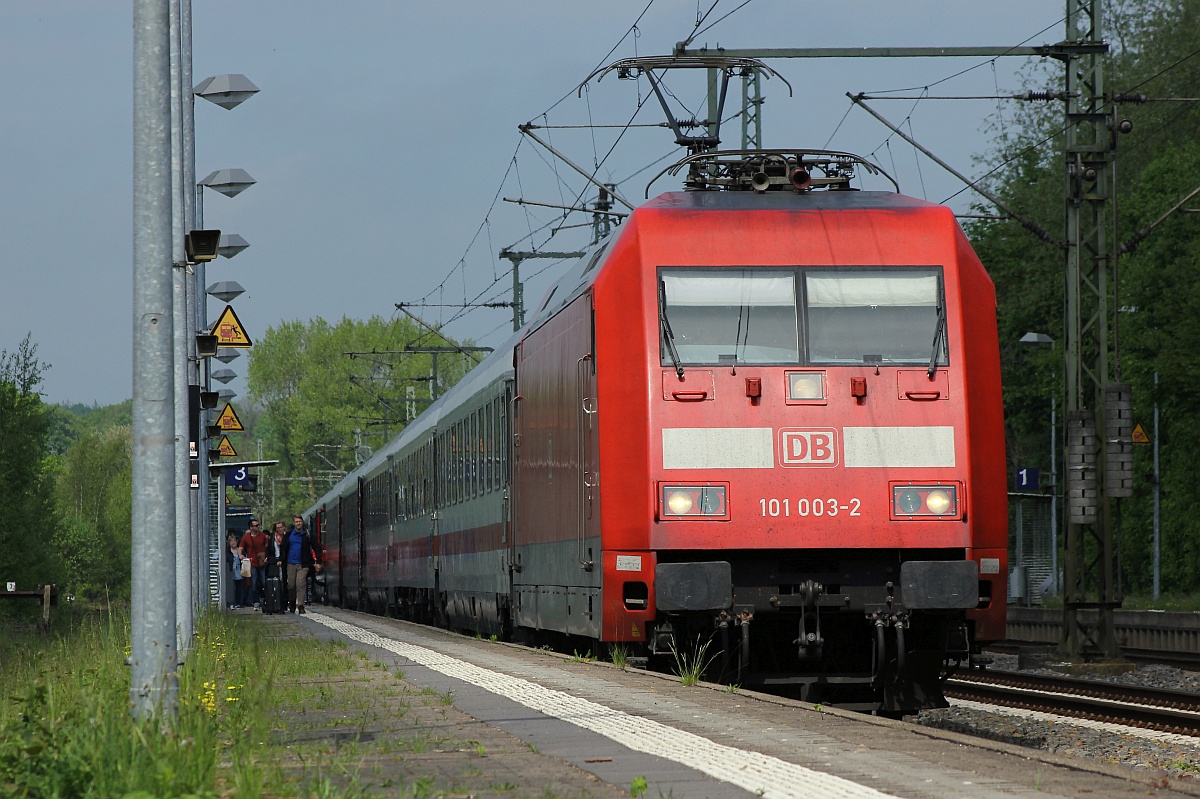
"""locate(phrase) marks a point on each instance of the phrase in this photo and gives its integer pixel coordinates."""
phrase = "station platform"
(545, 724)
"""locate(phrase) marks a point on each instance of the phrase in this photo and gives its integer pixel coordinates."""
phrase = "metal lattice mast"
(752, 101)
(1097, 411)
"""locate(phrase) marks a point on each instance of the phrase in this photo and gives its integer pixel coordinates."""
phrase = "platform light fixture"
(230, 182)
(228, 91)
(225, 290)
(231, 245)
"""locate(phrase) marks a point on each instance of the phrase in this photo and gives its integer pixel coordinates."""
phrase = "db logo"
(809, 447)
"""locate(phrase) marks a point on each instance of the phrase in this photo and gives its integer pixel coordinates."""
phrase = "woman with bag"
(239, 572)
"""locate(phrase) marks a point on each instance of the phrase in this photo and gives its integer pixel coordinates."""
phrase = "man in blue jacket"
(301, 554)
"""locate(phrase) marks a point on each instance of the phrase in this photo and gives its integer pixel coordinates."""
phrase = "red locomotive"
(761, 425)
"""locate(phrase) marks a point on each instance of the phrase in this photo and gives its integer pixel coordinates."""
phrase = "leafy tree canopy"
(327, 395)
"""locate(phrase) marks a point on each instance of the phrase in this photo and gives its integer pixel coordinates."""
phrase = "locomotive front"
(819, 465)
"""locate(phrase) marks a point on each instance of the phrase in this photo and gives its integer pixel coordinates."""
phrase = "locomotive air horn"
(760, 182)
(800, 178)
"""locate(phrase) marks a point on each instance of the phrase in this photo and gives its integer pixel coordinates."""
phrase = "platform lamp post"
(227, 91)
(229, 182)
(1038, 339)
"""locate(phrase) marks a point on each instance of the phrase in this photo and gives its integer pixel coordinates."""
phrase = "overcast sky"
(385, 132)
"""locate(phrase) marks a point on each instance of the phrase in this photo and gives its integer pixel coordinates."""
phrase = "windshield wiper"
(664, 327)
(938, 337)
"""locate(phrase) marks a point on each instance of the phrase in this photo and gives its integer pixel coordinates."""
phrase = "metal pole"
(213, 539)
(221, 579)
(518, 295)
(197, 565)
(183, 533)
(1054, 494)
(1157, 559)
(153, 656)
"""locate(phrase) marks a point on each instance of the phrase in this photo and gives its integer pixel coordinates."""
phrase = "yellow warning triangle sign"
(225, 449)
(229, 421)
(229, 330)
(1139, 435)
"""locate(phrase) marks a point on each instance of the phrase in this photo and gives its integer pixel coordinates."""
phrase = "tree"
(25, 470)
(94, 492)
(1156, 165)
(331, 394)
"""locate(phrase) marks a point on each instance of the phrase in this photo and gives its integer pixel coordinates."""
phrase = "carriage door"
(586, 431)
(504, 454)
(361, 534)
(393, 510)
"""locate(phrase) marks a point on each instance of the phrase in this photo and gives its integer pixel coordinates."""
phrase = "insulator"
(1044, 97)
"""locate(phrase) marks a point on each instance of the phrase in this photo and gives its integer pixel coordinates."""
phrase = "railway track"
(1161, 710)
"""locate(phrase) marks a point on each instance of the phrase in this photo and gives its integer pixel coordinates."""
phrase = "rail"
(1176, 712)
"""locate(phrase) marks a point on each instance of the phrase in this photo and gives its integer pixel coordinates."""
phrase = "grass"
(1172, 602)
(67, 730)
(618, 654)
(691, 664)
(1167, 602)
(256, 715)
(260, 713)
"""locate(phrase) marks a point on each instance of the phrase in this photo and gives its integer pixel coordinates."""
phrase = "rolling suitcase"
(273, 599)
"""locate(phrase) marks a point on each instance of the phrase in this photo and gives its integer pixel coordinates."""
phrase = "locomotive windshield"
(747, 315)
(848, 316)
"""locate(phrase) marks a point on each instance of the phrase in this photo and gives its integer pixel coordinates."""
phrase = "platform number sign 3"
(238, 477)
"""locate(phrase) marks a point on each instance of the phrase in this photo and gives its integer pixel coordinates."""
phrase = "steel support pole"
(1054, 495)
(1157, 539)
(180, 225)
(223, 579)
(198, 526)
(214, 535)
(518, 294)
(153, 656)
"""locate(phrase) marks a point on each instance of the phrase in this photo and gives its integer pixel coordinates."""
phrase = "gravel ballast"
(1177, 757)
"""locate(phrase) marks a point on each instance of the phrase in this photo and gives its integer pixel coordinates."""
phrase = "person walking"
(301, 555)
(254, 546)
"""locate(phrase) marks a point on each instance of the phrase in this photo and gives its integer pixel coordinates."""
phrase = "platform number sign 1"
(1027, 479)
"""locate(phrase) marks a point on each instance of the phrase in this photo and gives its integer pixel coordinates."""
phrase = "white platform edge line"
(752, 771)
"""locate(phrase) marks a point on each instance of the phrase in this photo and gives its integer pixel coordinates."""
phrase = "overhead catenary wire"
(512, 162)
(715, 22)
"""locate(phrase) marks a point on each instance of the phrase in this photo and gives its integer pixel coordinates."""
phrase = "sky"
(384, 139)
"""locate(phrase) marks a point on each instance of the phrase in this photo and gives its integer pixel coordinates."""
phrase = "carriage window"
(873, 316)
(714, 316)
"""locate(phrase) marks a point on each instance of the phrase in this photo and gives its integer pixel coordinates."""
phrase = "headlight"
(679, 503)
(937, 501)
(917, 500)
(692, 501)
(806, 385)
